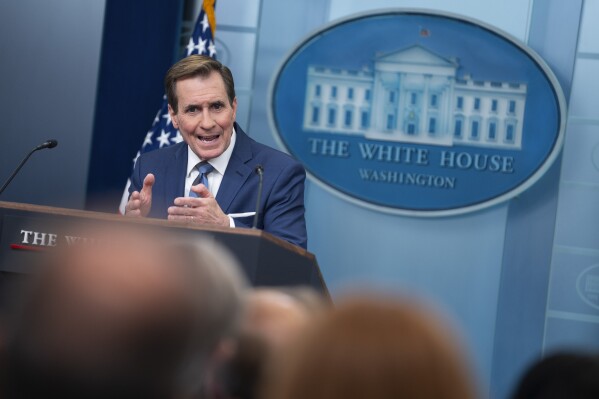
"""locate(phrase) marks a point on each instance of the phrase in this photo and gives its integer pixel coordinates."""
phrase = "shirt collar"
(219, 163)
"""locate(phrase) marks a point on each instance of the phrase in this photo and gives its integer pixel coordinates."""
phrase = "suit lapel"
(237, 170)
(175, 173)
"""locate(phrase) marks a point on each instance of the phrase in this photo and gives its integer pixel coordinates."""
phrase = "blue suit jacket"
(282, 203)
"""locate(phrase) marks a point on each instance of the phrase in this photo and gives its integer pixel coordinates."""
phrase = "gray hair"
(219, 291)
(202, 277)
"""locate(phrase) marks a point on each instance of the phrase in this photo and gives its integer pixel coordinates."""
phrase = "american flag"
(162, 133)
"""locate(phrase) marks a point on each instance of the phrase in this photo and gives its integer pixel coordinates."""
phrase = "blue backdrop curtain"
(140, 42)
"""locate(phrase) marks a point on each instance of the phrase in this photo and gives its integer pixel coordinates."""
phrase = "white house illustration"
(415, 96)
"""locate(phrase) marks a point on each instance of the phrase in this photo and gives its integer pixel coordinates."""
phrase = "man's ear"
(173, 115)
(234, 106)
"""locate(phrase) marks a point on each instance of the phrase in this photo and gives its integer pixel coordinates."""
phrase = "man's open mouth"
(208, 139)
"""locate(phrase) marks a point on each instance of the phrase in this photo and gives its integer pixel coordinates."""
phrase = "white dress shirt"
(215, 177)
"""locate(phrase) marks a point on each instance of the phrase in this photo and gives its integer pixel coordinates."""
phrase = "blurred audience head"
(277, 315)
(374, 348)
(273, 320)
(133, 315)
(561, 375)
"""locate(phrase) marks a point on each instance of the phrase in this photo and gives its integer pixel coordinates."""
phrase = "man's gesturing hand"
(140, 202)
(201, 210)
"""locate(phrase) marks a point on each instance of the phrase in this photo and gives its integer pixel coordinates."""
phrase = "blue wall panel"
(531, 219)
(49, 61)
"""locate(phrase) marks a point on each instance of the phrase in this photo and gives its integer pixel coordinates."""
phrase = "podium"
(26, 229)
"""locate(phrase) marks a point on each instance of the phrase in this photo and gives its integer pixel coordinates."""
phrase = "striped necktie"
(204, 168)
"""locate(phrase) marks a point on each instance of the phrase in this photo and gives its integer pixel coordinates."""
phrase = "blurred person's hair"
(76, 334)
(274, 317)
(313, 301)
(374, 348)
(561, 375)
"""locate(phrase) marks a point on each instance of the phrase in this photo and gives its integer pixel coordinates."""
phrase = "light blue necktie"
(204, 168)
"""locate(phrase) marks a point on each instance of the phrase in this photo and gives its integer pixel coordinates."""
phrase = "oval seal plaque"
(587, 286)
(418, 113)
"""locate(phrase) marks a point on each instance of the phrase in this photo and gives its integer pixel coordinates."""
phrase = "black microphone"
(47, 144)
(260, 172)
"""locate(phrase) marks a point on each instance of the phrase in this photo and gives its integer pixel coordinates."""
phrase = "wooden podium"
(267, 260)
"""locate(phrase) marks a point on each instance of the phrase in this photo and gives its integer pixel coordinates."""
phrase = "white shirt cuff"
(232, 216)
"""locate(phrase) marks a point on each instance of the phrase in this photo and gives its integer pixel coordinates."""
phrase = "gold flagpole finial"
(208, 7)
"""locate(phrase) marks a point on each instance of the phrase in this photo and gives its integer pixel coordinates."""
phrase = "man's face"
(205, 117)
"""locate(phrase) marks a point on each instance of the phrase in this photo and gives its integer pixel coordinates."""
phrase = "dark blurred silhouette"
(131, 316)
(374, 348)
(239, 376)
(561, 376)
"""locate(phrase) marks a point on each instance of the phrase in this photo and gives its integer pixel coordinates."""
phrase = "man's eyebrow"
(186, 107)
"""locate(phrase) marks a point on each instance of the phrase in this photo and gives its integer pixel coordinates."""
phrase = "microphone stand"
(260, 172)
(47, 144)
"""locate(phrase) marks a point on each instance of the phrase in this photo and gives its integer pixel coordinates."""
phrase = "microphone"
(260, 172)
(47, 144)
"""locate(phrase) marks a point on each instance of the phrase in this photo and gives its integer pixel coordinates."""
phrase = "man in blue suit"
(212, 177)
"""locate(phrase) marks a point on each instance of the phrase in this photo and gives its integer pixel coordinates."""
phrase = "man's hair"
(192, 66)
